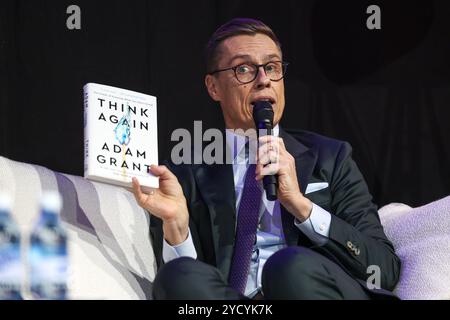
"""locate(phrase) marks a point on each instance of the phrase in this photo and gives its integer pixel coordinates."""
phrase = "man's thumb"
(160, 171)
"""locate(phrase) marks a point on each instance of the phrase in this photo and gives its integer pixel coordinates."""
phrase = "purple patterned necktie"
(246, 231)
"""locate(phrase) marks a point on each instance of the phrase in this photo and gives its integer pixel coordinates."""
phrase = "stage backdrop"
(386, 91)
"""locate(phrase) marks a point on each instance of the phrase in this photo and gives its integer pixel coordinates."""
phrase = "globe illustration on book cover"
(122, 130)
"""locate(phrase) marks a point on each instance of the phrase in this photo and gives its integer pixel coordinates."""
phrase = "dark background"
(385, 91)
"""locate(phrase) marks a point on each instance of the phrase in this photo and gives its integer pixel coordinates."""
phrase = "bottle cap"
(51, 201)
(5, 202)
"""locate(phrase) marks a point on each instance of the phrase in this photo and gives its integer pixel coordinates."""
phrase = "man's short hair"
(234, 27)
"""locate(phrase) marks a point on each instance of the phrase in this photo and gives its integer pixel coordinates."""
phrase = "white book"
(120, 136)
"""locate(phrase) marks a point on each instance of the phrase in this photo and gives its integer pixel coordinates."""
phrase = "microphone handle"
(270, 182)
(271, 185)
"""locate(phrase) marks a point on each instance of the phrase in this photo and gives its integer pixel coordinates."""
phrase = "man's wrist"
(174, 232)
(302, 209)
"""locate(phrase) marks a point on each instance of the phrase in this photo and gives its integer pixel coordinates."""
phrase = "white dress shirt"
(269, 236)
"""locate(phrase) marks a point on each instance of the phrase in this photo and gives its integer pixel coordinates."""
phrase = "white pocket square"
(313, 187)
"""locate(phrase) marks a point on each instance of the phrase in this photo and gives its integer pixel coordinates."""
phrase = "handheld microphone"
(263, 117)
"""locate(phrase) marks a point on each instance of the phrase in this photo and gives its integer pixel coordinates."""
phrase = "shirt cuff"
(184, 249)
(317, 226)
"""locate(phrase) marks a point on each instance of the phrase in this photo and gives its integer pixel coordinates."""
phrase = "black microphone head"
(263, 114)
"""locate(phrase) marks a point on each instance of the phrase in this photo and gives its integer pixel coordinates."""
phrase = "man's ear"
(210, 83)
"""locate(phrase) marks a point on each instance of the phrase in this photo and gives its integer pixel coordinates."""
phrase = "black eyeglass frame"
(284, 65)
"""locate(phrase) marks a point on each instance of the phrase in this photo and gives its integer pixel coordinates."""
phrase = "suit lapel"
(305, 161)
(216, 186)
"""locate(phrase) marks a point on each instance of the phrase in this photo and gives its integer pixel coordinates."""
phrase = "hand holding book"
(167, 203)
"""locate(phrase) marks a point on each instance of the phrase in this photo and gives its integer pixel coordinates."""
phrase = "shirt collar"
(231, 136)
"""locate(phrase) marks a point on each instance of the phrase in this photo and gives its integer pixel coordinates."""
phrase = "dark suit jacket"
(356, 238)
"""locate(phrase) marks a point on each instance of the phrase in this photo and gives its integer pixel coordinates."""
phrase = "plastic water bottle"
(48, 252)
(11, 267)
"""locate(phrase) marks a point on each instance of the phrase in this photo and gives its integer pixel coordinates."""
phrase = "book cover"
(120, 136)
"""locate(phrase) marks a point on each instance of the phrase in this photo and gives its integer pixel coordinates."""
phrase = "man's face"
(236, 99)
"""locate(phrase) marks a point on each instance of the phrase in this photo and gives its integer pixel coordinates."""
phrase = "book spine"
(86, 131)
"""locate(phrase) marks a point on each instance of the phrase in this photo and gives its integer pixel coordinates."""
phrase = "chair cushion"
(110, 251)
(421, 237)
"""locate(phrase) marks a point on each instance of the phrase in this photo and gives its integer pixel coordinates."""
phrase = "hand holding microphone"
(263, 117)
(276, 166)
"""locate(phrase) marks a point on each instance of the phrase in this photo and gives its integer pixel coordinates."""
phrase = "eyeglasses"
(247, 72)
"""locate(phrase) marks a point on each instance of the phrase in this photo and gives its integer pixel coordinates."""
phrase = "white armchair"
(421, 237)
(109, 246)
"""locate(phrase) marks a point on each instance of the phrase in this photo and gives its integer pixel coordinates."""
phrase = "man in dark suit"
(215, 234)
